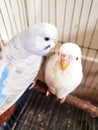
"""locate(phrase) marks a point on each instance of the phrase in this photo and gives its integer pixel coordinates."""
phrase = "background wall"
(76, 20)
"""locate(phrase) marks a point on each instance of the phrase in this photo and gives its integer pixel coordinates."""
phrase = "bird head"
(69, 52)
(40, 38)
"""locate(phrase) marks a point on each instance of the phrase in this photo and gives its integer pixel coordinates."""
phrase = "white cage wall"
(76, 20)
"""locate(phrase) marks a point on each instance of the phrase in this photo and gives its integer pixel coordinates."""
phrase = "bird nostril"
(63, 56)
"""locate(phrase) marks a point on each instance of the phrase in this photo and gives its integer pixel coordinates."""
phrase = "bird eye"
(46, 38)
(77, 58)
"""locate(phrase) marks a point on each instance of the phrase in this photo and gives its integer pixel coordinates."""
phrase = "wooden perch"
(82, 104)
(72, 100)
(6, 115)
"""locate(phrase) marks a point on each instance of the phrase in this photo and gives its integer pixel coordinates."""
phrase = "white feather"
(21, 74)
(62, 82)
(24, 65)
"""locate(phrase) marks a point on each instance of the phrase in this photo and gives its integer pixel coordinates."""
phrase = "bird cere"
(63, 71)
(21, 61)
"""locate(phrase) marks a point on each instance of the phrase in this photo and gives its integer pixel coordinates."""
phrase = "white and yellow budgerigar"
(63, 71)
(21, 61)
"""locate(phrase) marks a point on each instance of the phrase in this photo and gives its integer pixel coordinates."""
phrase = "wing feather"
(22, 73)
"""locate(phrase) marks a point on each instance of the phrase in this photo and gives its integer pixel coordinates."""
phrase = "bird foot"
(48, 92)
(62, 100)
(32, 85)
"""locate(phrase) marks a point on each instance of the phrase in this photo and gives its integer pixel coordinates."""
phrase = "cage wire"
(76, 21)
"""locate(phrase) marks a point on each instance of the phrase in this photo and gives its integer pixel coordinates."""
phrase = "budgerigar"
(21, 61)
(63, 72)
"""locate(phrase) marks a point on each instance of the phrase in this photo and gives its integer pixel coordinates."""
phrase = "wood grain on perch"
(73, 100)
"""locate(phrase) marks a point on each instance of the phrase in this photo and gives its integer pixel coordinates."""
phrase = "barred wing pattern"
(21, 75)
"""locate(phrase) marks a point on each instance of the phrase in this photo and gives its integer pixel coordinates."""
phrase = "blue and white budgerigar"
(21, 61)
(63, 71)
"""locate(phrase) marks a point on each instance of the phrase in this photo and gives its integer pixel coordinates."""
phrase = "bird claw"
(48, 92)
(62, 100)
(32, 85)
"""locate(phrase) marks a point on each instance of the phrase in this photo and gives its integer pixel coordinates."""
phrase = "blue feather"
(47, 47)
(3, 77)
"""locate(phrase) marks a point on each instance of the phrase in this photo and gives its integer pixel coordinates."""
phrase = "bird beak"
(64, 64)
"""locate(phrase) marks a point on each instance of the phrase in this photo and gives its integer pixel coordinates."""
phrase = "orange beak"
(64, 64)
